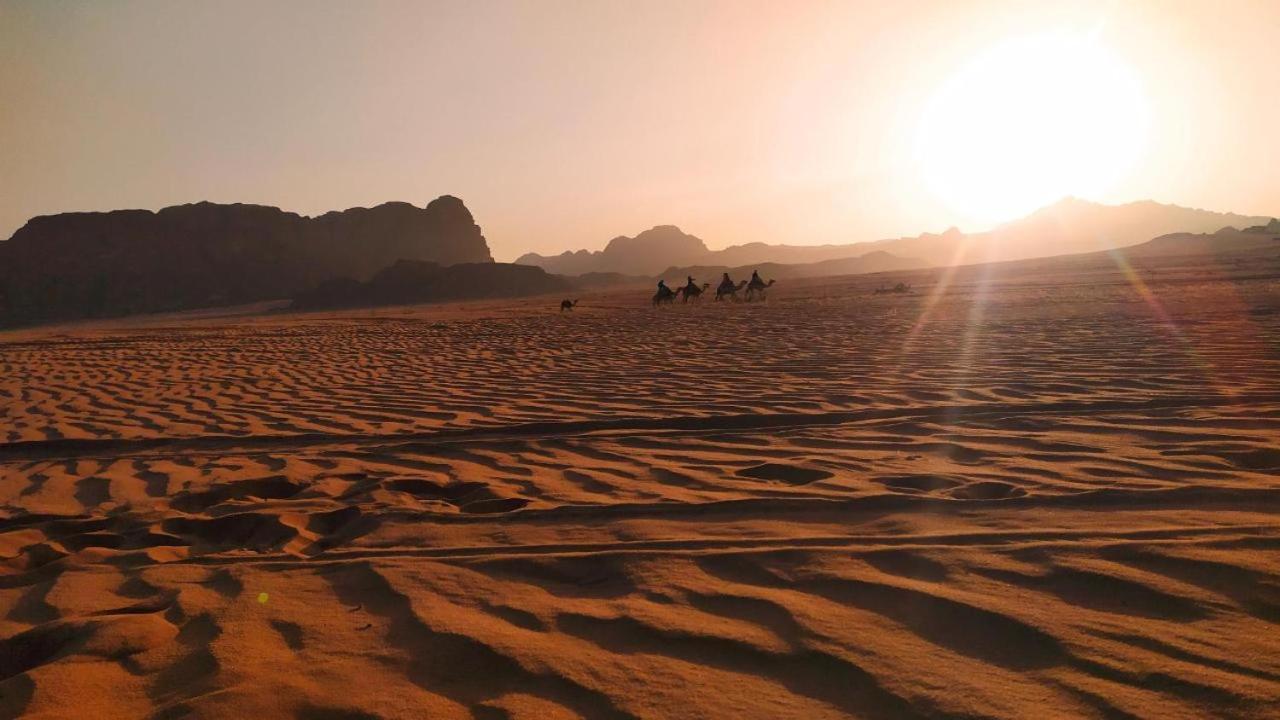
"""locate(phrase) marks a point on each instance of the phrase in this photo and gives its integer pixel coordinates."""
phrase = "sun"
(1029, 121)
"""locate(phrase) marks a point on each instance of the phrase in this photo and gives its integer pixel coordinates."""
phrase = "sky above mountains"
(564, 124)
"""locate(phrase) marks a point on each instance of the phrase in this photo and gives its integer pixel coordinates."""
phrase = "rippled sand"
(1019, 491)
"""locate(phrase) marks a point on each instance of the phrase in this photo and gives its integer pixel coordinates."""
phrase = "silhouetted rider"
(726, 285)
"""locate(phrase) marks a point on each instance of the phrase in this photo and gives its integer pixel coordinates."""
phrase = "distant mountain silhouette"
(1271, 228)
(415, 281)
(872, 262)
(666, 249)
(1066, 227)
(1176, 258)
(645, 254)
(1227, 241)
(82, 265)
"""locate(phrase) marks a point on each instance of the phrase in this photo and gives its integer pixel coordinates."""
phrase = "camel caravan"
(756, 289)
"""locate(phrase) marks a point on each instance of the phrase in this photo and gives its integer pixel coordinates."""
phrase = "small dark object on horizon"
(692, 291)
(900, 288)
(757, 288)
(567, 304)
(665, 295)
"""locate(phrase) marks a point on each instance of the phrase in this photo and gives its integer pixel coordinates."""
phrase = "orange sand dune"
(1018, 491)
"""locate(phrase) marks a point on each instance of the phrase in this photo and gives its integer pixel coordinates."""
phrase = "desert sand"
(1035, 490)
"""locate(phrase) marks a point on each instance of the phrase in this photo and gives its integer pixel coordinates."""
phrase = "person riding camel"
(691, 284)
(726, 285)
(756, 288)
(662, 287)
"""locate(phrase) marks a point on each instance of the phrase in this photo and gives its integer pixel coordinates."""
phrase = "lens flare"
(1030, 121)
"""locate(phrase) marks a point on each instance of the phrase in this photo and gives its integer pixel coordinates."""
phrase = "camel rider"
(756, 282)
(726, 284)
(689, 283)
(662, 288)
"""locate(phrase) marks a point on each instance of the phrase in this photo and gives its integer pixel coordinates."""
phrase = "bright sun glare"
(1030, 121)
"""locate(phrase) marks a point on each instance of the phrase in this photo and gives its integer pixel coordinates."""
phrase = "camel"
(757, 289)
(664, 295)
(567, 305)
(732, 292)
(693, 292)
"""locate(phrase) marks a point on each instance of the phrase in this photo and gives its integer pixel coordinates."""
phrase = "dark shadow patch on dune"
(290, 632)
(919, 483)
(775, 618)
(788, 474)
(516, 616)
(273, 463)
(87, 540)
(15, 695)
(157, 483)
(249, 530)
(42, 645)
(808, 672)
(489, 712)
(496, 505)
(565, 576)
(340, 526)
(1258, 593)
(1227, 703)
(36, 484)
(224, 583)
(142, 538)
(190, 676)
(988, 490)
(137, 588)
(1117, 595)
(679, 479)
(269, 488)
(193, 673)
(749, 568)
(1173, 651)
(1100, 705)
(456, 666)
(965, 629)
(907, 564)
(32, 608)
(1261, 459)
(587, 482)
(93, 491)
(457, 452)
(1104, 593)
(201, 629)
(333, 521)
(586, 449)
(455, 493)
(57, 526)
(175, 614)
(1105, 472)
(154, 604)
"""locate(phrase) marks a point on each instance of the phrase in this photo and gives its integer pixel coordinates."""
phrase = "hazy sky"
(562, 124)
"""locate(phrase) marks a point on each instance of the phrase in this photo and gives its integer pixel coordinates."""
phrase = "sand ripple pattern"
(1026, 495)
